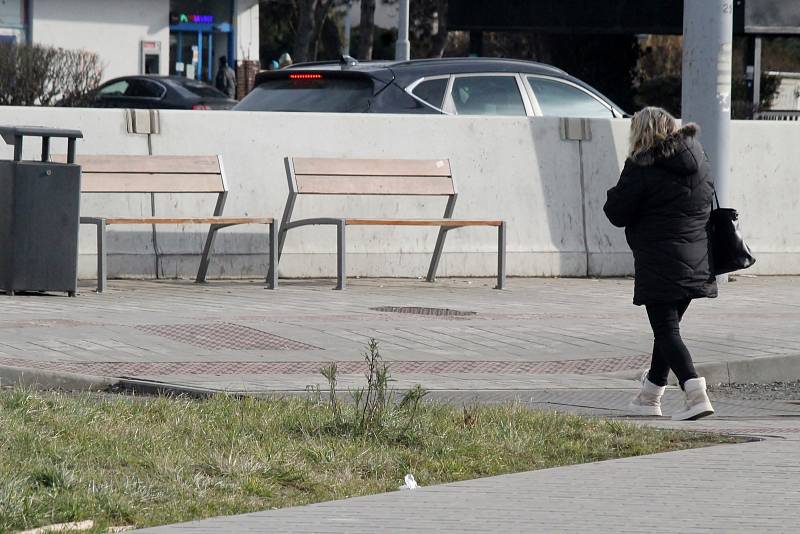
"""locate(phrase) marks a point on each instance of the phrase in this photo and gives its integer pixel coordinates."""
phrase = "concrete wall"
(550, 191)
(112, 29)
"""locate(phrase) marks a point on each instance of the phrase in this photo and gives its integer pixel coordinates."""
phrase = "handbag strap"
(714, 188)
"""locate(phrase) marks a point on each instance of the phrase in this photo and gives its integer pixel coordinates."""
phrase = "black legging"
(669, 352)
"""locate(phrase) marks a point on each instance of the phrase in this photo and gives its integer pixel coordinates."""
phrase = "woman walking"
(663, 200)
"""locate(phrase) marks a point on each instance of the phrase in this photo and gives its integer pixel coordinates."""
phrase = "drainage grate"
(416, 310)
(216, 336)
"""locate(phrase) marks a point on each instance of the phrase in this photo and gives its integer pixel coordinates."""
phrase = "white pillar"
(706, 91)
(246, 26)
(402, 50)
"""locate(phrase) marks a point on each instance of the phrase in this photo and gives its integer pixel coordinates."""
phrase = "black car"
(160, 92)
(453, 86)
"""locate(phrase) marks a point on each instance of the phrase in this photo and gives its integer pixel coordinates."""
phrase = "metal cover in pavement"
(416, 310)
(218, 336)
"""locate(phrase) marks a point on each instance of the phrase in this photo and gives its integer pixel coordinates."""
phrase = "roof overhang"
(774, 17)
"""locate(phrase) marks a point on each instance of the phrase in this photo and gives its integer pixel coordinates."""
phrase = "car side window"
(145, 89)
(115, 89)
(559, 99)
(487, 95)
(431, 91)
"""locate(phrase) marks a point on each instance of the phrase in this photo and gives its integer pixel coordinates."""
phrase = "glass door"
(192, 54)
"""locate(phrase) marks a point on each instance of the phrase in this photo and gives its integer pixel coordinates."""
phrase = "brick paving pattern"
(217, 336)
(578, 367)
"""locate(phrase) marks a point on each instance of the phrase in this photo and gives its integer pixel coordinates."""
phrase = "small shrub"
(374, 411)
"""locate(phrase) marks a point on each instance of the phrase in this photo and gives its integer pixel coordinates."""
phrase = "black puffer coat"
(663, 199)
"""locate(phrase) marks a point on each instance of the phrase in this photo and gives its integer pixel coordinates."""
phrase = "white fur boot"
(648, 401)
(697, 403)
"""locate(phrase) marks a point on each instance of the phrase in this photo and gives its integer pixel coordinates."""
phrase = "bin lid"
(10, 132)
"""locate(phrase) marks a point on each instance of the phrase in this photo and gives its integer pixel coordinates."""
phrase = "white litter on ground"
(410, 483)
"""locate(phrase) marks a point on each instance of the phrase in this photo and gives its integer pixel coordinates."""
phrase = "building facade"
(184, 37)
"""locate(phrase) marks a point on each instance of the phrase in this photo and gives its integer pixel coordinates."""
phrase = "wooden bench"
(331, 176)
(164, 174)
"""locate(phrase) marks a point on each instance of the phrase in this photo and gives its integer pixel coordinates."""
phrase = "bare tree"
(41, 75)
(439, 41)
(81, 74)
(305, 29)
(366, 29)
(311, 17)
(425, 17)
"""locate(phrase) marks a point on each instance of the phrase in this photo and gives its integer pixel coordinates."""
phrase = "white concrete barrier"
(765, 190)
(550, 191)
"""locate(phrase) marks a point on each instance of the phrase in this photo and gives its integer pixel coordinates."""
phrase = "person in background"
(273, 65)
(663, 200)
(226, 78)
(285, 60)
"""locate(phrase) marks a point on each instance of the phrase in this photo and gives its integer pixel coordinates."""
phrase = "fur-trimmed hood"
(679, 151)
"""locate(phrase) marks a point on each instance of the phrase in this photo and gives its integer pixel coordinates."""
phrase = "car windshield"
(200, 89)
(351, 95)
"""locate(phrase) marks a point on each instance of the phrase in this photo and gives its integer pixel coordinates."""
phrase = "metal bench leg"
(206, 258)
(340, 273)
(101, 255)
(501, 255)
(272, 270)
(437, 254)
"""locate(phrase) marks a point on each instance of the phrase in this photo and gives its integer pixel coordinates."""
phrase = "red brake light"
(200, 106)
(305, 76)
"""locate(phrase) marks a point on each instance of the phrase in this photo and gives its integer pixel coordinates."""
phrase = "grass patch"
(159, 460)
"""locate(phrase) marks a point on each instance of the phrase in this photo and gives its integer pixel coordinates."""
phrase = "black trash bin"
(39, 215)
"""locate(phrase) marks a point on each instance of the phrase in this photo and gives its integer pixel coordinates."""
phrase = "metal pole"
(706, 91)
(757, 75)
(347, 13)
(402, 50)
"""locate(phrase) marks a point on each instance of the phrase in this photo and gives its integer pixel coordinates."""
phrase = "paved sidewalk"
(538, 334)
(750, 487)
(562, 344)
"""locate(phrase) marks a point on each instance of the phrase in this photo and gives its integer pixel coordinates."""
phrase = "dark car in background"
(159, 92)
(452, 86)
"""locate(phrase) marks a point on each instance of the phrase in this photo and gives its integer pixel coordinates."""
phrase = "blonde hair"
(650, 126)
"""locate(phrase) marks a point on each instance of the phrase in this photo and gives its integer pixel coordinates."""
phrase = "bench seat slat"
(422, 222)
(189, 220)
(146, 164)
(372, 167)
(374, 185)
(150, 183)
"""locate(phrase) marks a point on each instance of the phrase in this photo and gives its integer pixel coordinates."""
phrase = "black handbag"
(729, 252)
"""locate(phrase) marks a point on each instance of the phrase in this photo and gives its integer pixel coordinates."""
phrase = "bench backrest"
(337, 176)
(152, 174)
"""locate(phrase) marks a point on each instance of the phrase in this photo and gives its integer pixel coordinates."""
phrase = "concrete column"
(402, 51)
(706, 91)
